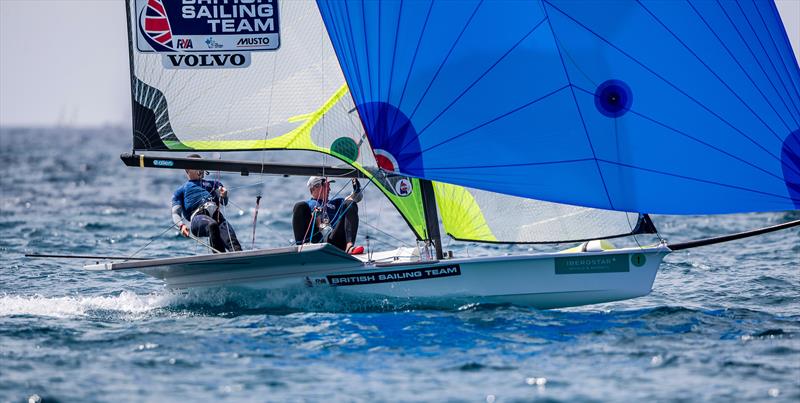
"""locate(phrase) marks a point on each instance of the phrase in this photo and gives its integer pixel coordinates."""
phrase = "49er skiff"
(544, 280)
(513, 122)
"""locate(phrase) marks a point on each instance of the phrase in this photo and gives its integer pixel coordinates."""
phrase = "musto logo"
(206, 61)
(252, 42)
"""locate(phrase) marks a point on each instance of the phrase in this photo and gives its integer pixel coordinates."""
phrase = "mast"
(130, 66)
(431, 217)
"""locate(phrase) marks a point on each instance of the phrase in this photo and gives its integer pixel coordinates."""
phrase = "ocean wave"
(72, 306)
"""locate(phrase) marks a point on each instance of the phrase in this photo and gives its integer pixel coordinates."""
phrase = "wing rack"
(243, 167)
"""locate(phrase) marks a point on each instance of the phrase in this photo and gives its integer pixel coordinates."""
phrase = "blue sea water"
(722, 322)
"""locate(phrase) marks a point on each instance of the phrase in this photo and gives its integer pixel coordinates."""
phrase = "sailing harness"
(208, 208)
(326, 226)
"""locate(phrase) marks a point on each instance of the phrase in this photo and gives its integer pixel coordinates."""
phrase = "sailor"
(198, 202)
(334, 221)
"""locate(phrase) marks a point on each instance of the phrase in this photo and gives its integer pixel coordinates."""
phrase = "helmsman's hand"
(184, 230)
(223, 193)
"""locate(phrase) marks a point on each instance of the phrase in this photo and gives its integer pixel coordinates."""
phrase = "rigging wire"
(332, 224)
(248, 185)
(310, 230)
(337, 216)
(222, 207)
(263, 151)
(627, 215)
(153, 238)
(171, 226)
(203, 243)
(323, 118)
(404, 243)
(367, 206)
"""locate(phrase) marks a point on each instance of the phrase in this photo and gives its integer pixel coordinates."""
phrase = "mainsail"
(278, 88)
(568, 102)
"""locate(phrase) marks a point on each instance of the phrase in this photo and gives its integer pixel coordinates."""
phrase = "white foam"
(126, 303)
(131, 306)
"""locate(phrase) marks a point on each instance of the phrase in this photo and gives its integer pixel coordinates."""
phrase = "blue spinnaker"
(677, 107)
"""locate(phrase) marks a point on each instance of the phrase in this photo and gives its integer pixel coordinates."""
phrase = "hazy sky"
(66, 61)
(63, 62)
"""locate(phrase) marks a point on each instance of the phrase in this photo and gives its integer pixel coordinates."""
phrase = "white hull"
(542, 281)
(523, 280)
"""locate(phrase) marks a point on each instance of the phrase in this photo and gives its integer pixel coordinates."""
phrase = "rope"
(311, 228)
(200, 241)
(627, 216)
(151, 240)
(255, 220)
(164, 232)
(387, 234)
(338, 216)
(221, 207)
(332, 224)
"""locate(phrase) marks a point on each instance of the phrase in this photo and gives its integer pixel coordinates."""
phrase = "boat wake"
(228, 301)
(125, 303)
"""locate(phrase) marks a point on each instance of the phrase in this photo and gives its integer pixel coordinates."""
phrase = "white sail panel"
(208, 108)
(478, 215)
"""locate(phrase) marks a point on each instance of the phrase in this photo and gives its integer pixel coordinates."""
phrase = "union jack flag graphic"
(155, 26)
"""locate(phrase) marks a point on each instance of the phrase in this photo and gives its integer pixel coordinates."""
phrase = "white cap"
(316, 181)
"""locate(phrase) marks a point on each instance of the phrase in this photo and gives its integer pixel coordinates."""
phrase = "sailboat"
(510, 122)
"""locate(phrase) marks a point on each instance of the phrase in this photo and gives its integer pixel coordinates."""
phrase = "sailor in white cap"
(320, 219)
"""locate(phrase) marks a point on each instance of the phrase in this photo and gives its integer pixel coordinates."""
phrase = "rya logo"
(185, 44)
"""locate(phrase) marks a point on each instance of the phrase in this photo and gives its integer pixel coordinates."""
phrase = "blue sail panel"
(629, 164)
(468, 112)
(726, 59)
(649, 106)
(630, 139)
(691, 87)
(756, 18)
(777, 34)
(533, 114)
(547, 179)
